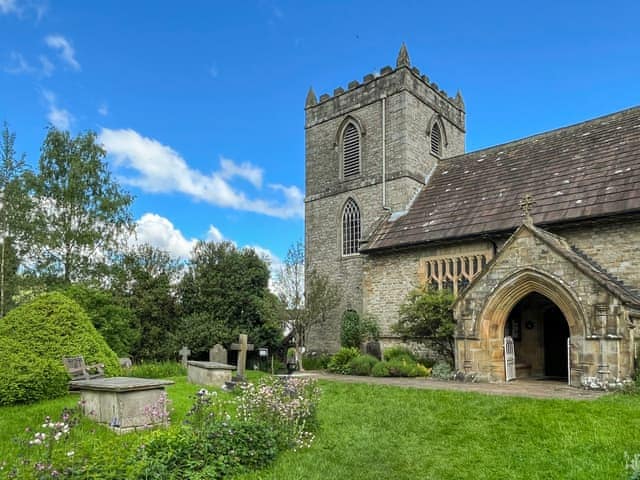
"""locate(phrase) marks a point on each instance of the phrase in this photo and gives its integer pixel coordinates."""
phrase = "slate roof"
(579, 172)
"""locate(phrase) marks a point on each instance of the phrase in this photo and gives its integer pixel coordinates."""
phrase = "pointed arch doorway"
(540, 333)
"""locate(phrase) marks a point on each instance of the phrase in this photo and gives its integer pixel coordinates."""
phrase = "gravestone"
(184, 353)
(218, 354)
(242, 347)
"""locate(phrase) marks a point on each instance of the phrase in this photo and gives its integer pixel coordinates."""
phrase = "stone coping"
(121, 384)
(211, 365)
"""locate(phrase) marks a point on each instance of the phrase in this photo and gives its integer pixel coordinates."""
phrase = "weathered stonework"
(409, 104)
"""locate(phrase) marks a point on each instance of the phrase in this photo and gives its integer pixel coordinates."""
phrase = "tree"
(82, 214)
(144, 280)
(224, 292)
(427, 316)
(305, 308)
(15, 209)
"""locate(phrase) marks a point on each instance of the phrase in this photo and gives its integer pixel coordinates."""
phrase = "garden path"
(531, 388)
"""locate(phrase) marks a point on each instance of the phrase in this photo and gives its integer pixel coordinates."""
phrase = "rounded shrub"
(362, 365)
(339, 362)
(33, 340)
(380, 369)
(399, 353)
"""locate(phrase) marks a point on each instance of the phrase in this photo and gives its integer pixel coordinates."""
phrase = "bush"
(442, 370)
(316, 362)
(355, 329)
(339, 362)
(380, 369)
(362, 365)
(34, 338)
(156, 370)
(399, 353)
(116, 323)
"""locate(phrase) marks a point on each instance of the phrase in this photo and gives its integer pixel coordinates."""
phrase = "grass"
(386, 432)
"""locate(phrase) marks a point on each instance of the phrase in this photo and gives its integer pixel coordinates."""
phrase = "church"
(538, 238)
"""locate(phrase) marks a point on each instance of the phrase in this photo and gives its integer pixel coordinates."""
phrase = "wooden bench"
(78, 370)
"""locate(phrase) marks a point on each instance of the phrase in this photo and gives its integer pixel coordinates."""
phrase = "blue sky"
(201, 104)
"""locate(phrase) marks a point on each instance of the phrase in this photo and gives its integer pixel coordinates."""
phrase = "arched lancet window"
(350, 228)
(436, 139)
(350, 151)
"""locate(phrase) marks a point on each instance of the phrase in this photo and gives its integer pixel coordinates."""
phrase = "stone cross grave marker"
(184, 353)
(218, 354)
(242, 346)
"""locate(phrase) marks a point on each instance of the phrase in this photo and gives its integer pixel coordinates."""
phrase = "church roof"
(575, 173)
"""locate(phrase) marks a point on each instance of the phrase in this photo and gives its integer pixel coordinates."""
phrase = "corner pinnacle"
(459, 100)
(403, 57)
(311, 98)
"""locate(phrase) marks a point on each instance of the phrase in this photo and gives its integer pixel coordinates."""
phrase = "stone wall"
(411, 102)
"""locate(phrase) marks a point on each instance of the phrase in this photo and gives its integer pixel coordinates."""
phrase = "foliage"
(35, 337)
(225, 292)
(156, 370)
(115, 322)
(307, 301)
(380, 369)
(15, 210)
(221, 438)
(143, 281)
(426, 316)
(355, 329)
(633, 466)
(339, 362)
(361, 365)
(399, 353)
(442, 370)
(82, 214)
(316, 361)
(405, 368)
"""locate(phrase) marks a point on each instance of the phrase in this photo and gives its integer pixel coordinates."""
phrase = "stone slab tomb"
(211, 374)
(120, 402)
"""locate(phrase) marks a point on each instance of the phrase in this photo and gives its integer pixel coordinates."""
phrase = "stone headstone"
(184, 353)
(218, 354)
(242, 346)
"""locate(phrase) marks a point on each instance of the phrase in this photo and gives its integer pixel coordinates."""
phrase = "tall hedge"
(33, 340)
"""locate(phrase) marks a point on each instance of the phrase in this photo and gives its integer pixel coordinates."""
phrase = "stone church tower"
(369, 151)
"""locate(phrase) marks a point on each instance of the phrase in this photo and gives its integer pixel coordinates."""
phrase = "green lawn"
(372, 432)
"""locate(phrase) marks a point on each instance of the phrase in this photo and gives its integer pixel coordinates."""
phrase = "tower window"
(436, 139)
(351, 151)
(350, 228)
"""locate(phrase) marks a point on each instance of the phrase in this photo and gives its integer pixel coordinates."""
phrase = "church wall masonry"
(409, 102)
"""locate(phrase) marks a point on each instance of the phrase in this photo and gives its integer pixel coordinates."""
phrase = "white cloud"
(159, 232)
(47, 67)
(58, 117)
(214, 235)
(65, 50)
(247, 171)
(8, 6)
(103, 109)
(18, 64)
(160, 169)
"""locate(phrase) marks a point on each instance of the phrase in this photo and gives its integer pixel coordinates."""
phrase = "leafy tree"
(224, 292)
(82, 214)
(144, 281)
(15, 210)
(305, 308)
(116, 323)
(355, 329)
(426, 316)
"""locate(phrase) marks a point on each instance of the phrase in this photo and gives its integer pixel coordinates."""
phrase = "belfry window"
(350, 228)
(436, 139)
(350, 151)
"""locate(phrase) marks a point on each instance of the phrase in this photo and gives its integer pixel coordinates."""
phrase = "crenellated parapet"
(383, 83)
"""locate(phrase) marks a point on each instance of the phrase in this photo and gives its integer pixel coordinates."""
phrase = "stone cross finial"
(184, 353)
(403, 57)
(242, 346)
(311, 98)
(526, 205)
